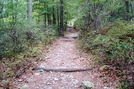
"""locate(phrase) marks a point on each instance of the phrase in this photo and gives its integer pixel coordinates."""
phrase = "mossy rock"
(104, 68)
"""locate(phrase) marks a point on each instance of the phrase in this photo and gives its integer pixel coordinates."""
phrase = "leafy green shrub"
(119, 50)
(19, 40)
(113, 46)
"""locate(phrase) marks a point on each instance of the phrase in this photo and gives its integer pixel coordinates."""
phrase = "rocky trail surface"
(62, 54)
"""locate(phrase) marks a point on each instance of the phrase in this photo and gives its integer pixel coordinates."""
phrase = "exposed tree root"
(63, 69)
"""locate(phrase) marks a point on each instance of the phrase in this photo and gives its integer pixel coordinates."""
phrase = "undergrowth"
(12, 62)
(114, 46)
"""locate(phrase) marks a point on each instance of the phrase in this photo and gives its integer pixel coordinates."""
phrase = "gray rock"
(62, 75)
(87, 85)
(47, 57)
(55, 79)
(71, 76)
(37, 74)
(49, 88)
(104, 68)
(51, 72)
(41, 70)
(74, 81)
(25, 86)
(20, 80)
(106, 88)
(49, 83)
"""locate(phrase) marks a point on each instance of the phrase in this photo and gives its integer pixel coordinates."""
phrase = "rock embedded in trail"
(55, 79)
(62, 75)
(20, 80)
(87, 85)
(104, 68)
(25, 86)
(37, 74)
(106, 88)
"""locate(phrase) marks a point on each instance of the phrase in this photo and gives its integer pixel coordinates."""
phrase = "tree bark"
(29, 9)
(61, 18)
(62, 69)
(127, 9)
(54, 19)
(132, 6)
(58, 20)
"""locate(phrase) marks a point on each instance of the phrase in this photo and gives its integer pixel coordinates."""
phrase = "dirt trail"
(63, 54)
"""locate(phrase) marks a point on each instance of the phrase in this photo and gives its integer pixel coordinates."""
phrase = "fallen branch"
(62, 69)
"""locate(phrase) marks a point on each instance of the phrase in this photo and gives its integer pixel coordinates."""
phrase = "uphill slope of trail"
(62, 54)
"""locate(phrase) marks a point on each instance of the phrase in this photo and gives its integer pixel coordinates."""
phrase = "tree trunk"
(45, 16)
(132, 6)
(45, 19)
(29, 9)
(58, 20)
(54, 19)
(49, 16)
(61, 18)
(127, 9)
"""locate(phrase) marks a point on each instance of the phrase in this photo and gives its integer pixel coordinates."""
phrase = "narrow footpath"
(62, 54)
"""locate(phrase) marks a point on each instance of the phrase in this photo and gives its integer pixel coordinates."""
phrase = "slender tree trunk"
(29, 9)
(58, 20)
(127, 9)
(45, 19)
(45, 16)
(49, 18)
(61, 18)
(54, 19)
(132, 7)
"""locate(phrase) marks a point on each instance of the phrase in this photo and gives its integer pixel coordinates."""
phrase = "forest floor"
(63, 54)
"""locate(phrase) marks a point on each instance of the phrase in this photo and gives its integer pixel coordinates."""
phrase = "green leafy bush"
(114, 47)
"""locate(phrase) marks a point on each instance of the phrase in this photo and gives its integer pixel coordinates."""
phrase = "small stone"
(51, 72)
(75, 58)
(47, 57)
(101, 76)
(41, 70)
(49, 88)
(40, 58)
(106, 88)
(71, 76)
(45, 87)
(20, 80)
(76, 81)
(25, 86)
(55, 79)
(39, 85)
(29, 79)
(76, 86)
(87, 85)
(43, 65)
(35, 62)
(49, 83)
(37, 74)
(104, 68)
(62, 75)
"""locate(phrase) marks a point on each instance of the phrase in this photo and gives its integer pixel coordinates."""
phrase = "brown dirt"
(62, 54)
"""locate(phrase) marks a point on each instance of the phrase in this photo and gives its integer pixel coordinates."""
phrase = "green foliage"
(119, 50)
(5, 83)
(124, 85)
(113, 46)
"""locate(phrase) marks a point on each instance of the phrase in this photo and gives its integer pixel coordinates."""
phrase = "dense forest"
(106, 31)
